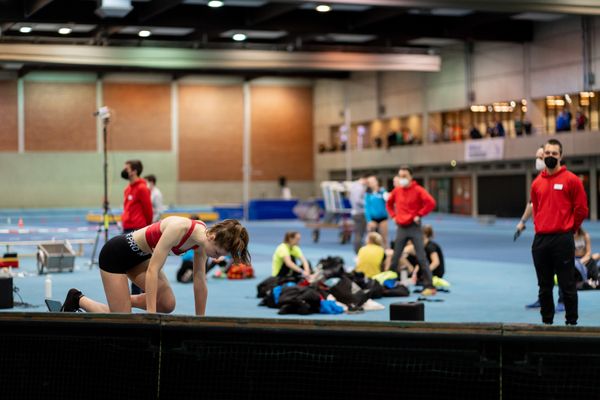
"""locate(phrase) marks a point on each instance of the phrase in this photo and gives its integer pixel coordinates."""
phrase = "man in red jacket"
(407, 204)
(137, 204)
(559, 207)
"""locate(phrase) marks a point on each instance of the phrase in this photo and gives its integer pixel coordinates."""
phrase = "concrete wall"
(556, 58)
(74, 179)
(446, 90)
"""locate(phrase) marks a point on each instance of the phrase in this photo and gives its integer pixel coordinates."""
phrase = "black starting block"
(53, 305)
(412, 311)
(6, 292)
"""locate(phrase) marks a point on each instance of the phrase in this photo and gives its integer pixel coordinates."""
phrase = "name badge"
(558, 186)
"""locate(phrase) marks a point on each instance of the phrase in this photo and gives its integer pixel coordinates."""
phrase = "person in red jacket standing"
(559, 207)
(137, 203)
(407, 204)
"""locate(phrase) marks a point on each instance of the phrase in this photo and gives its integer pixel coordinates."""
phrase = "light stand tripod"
(104, 114)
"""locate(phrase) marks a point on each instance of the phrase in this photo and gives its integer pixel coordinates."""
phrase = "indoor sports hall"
(294, 199)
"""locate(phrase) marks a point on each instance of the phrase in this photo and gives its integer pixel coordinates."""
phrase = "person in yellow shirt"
(287, 255)
(371, 257)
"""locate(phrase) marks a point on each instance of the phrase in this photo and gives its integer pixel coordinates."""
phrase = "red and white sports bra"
(153, 235)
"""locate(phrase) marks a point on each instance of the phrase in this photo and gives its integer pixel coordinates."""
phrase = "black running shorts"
(120, 254)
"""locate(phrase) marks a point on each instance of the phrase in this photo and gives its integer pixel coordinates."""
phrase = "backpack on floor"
(347, 292)
(301, 300)
(331, 266)
(398, 290)
(240, 271)
(266, 285)
(365, 283)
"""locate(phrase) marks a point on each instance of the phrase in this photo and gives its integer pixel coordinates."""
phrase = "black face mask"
(551, 162)
(125, 174)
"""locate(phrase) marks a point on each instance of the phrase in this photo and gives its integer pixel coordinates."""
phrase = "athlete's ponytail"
(232, 237)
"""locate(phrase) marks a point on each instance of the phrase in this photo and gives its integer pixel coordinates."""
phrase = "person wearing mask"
(375, 211)
(539, 167)
(287, 256)
(407, 204)
(357, 201)
(559, 208)
(156, 197)
(137, 203)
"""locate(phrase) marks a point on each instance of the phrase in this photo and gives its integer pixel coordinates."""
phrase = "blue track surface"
(492, 277)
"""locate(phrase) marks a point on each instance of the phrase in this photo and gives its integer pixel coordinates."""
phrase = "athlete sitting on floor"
(141, 255)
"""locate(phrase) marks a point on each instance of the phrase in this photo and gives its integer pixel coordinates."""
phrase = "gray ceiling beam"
(231, 60)
(580, 7)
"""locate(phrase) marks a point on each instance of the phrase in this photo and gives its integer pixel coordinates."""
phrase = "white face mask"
(403, 182)
(539, 164)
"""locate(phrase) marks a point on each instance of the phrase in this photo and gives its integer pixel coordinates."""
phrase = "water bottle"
(48, 287)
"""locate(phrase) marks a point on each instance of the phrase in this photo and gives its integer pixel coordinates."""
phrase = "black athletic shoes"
(71, 303)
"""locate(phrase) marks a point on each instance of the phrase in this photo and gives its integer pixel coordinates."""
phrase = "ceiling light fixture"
(65, 30)
(323, 8)
(144, 33)
(239, 37)
(25, 29)
(215, 3)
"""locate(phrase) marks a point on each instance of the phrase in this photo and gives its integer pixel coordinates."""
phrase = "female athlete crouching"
(141, 255)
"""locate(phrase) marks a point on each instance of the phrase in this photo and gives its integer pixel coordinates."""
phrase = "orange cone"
(20, 222)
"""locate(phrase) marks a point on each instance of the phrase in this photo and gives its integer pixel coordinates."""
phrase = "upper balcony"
(575, 144)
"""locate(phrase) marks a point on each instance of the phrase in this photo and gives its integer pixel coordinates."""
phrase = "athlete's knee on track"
(166, 304)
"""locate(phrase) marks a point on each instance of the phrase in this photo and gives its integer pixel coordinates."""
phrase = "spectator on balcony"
(407, 136)
(490, 131)
(447, 133)
(580, 120)
(391, 139)
(378, 142)
(499, 129)
(519, 127)
(433, 136)
(527, 126)
(474, 133)
(563, 121)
